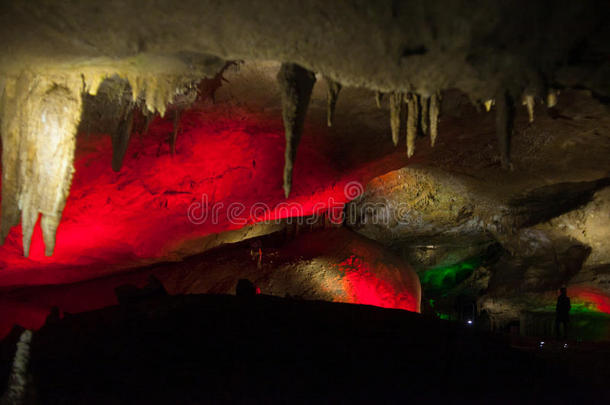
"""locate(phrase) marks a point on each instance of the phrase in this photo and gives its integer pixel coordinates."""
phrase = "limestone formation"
(378, 98)
(488, 104)
(120, 138)
(332, 94)
(435, 101)
(174, 135)
(424, 114)
(412, 101)
(19, 381)
(528, 101)
(40, 116)
(551, 98)
(54, 51)
(396, 103)
(296, 85)
(505, 114)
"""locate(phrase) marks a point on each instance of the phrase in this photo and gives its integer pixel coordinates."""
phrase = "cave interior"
(304, 201)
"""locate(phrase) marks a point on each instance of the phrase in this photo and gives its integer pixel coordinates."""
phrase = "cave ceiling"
(150, 58)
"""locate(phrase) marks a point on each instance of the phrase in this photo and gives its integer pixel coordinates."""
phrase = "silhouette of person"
(562, 313)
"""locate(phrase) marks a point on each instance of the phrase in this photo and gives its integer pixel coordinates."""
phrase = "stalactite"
(157, 91)
(551, 98)
(505, 114)
(412, 122)
(296, 85)
(488, 104)
(378, 98)
(149, 118)
(435, 106)
(120, 137)
(396, 100)
(39, 124)
(11, 107)
(424, 114)
(528, 101)
(174, 136)
(331, 100)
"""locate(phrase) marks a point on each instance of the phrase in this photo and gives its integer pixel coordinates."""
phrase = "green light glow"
(445, 278)
(576, 308)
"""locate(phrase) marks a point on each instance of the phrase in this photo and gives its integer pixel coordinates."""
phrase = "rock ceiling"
(52, 53)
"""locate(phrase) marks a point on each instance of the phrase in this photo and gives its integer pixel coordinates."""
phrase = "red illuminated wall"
(589, 299)
(116, 220)
(331, 265)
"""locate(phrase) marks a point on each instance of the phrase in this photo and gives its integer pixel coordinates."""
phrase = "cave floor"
(218, 348)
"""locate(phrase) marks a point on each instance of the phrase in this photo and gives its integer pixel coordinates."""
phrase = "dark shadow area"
(204, 348)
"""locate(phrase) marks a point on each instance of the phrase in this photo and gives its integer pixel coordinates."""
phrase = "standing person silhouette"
(562, 312)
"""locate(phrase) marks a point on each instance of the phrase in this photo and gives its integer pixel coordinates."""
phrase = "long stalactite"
(412, 122)
(505, 115)
(39, 125)
(120, 137)
(435, 106)
(296, 85)
(396, 106)
(424, 105)
(331, 99)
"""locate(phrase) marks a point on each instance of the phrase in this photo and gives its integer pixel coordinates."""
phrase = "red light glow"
(117, 220)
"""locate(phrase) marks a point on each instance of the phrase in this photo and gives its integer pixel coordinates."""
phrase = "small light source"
(565, 345)
(469, 322)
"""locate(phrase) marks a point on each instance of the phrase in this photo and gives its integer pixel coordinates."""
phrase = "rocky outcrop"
(505, 240)
(333, 264)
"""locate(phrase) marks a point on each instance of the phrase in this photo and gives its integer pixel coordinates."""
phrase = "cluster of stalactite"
(41, 114)
(422, 113)
(39, 120)
(417, 113)
(504, 103)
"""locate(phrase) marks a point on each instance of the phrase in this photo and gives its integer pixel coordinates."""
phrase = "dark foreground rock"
(204, 348)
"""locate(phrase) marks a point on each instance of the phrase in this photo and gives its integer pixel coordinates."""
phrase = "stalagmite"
(296, 85)
(17, 390)
(412, 121)
(505, 113)
(378, 98)
(396, 100)
(120, 137)
(39, 123)
(435, 106)
(424, 114)
(528, 101)
(332, 94)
